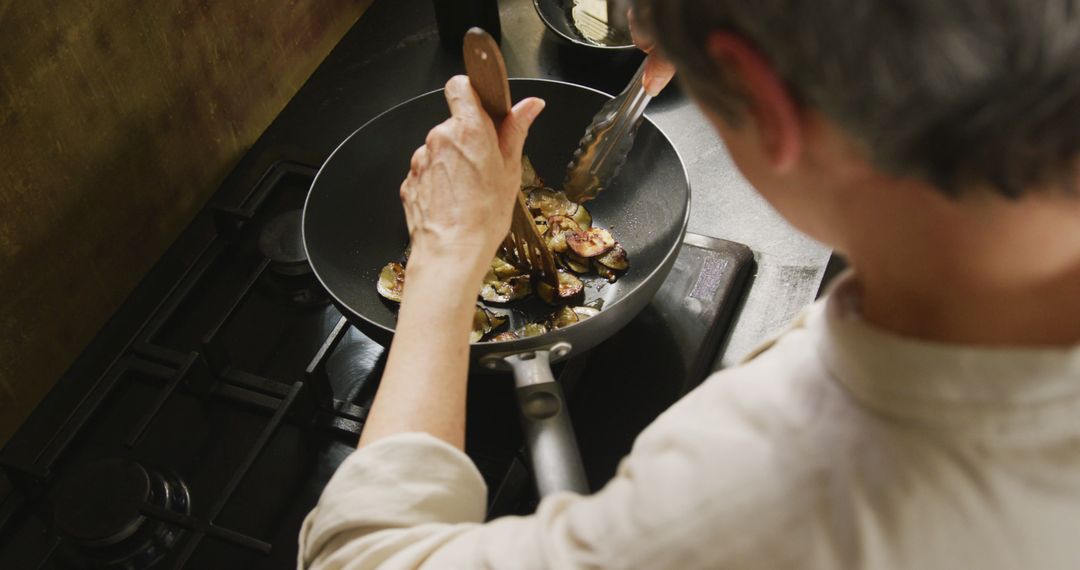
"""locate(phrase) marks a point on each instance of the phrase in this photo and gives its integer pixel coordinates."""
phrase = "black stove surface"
(200, 427)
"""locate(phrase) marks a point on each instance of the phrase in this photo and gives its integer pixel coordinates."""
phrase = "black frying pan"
(354, 224)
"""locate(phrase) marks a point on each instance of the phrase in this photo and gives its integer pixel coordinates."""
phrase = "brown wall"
(118, 119)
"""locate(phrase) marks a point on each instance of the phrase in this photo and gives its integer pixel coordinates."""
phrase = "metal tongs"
(607, 142)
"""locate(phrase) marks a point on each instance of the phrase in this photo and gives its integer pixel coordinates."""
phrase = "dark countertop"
(393, 53)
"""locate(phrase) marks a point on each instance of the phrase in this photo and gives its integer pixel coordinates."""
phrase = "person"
(923, 415)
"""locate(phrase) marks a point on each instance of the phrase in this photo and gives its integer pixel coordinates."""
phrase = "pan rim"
(524, 344)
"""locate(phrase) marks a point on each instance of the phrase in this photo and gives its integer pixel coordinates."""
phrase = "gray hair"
(960, 93)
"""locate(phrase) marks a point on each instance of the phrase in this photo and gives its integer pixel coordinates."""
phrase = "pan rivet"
(560, 350)
(490, 365)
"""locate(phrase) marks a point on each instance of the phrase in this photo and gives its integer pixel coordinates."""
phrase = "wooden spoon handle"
(487, 71)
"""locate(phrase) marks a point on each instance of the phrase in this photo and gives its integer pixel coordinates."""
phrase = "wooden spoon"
(523, 247)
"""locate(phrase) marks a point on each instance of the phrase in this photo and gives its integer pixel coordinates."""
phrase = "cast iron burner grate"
(201, 425)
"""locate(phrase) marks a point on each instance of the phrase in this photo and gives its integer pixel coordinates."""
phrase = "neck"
(1046, 314)
(979, 270)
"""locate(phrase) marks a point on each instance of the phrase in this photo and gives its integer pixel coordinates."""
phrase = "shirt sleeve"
(395, 499)
(412, 501)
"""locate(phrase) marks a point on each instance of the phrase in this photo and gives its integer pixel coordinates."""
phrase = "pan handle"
(549, 435)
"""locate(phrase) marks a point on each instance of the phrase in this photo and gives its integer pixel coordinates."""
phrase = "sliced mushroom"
(569, 287)
(481, 326)
(533, 329)
(391, 283)
(550, 203)
(505, 336)
(556, 242)
(615, 259)
(491, 295)
(564, 317)
(583, 217)
(512, 289)
(560, 223)
(559, 227)
(575, 262)
(481, 320)
(591, 242)
(605, 272)
(503, 270)
(484, 321)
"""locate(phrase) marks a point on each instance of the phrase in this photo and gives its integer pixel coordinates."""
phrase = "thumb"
(515, 127)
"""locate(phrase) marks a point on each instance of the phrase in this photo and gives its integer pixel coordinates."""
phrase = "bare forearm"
(458, 196)
(424, 384)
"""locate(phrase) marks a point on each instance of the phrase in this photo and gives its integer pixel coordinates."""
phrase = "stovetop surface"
(239, 390)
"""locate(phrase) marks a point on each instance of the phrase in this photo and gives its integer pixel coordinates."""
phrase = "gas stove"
(201, 425)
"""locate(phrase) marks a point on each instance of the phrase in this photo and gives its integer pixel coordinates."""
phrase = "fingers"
(515, 128)
(658, 73)
(462, 99)
(420, 160)
(658, 69)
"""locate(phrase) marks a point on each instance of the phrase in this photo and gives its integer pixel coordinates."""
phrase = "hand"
(463, 181)
(658, 70)
(458, 199)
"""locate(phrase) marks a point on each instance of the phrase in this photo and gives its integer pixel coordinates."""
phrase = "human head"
(965, 95)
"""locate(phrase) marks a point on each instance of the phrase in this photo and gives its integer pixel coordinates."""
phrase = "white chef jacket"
(838, 445)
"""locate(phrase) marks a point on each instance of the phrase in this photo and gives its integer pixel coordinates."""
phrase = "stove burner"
(97, 509)
(282, 241)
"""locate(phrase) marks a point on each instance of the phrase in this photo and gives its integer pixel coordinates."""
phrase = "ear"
(770, 104)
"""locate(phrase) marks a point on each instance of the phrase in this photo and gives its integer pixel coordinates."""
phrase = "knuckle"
(440, 134)
(419, 159)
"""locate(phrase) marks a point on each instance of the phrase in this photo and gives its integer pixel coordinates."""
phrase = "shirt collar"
(1007, 392)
